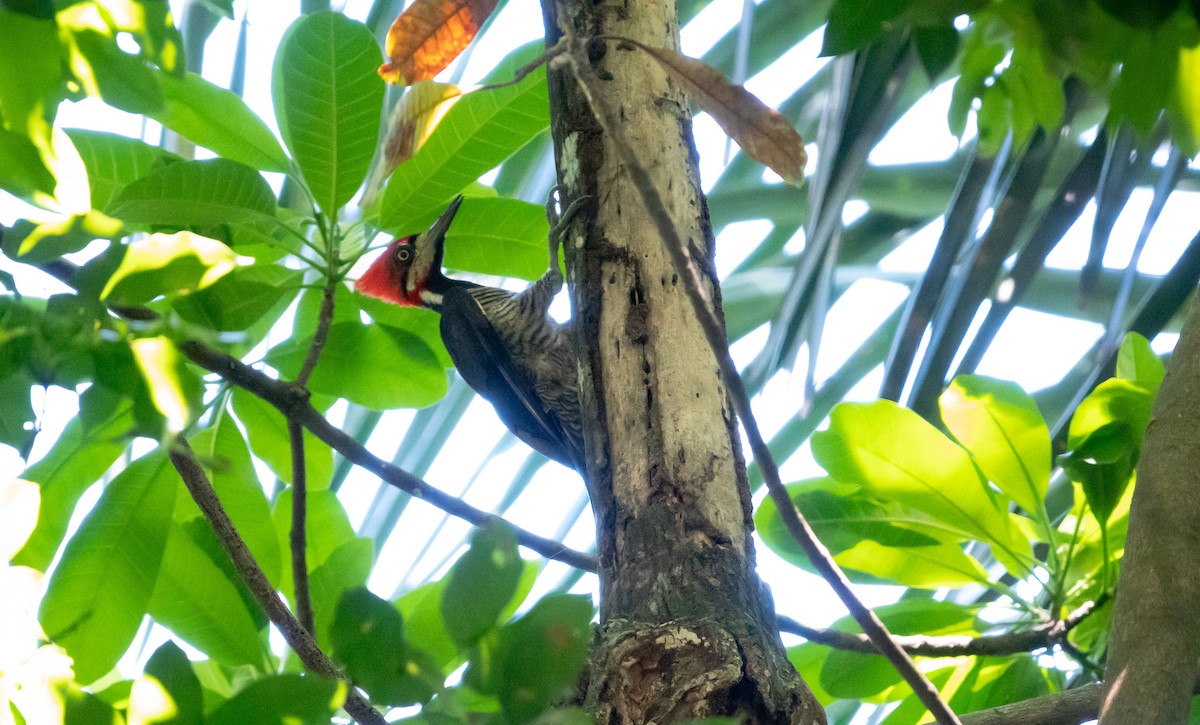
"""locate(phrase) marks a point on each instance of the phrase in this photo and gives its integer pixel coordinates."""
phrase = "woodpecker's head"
(409, 272)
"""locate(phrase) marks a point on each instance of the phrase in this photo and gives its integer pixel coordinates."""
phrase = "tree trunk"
(687, 629)
(1152, 660)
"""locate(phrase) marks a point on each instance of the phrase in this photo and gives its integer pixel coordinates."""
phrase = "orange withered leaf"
(409, 124)
(760, 130)
(430, 34)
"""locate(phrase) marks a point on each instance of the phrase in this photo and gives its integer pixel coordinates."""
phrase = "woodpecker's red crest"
(403, 272)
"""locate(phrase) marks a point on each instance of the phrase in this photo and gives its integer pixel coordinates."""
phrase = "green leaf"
(541, 654)
(114, 161)
(422, 610)
(34, 243)
(196, 194)
(267, 432)
(855, 23)
(88, 446)
(170, 666)
(23, 174)
(347, 567)
(479, 132)
(165, 264)
(895, 455)
(328, 529)
(504, 237)
(1001, 426)
(1147, 77)
(282, 700)
(98, 593)
(936, 47)
(16, 412)
(481, 583)
(1136, 361)
(223, 453)
(419, 321)
(883, 540)
(368, 638)
(1144, 14)
(200, 602)
(31, 71)
(217, 119)
(1185, 101)
(375, 366)
(122, 80)
(328, 101)
(175, 390)
(240, 299)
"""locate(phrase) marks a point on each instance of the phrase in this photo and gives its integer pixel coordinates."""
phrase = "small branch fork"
(689, 272)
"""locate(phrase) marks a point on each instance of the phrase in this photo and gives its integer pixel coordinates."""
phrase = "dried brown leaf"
(412, 120)
(426, 37)
(760, 130)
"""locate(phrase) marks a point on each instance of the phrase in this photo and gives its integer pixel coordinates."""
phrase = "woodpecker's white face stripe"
(431, 299)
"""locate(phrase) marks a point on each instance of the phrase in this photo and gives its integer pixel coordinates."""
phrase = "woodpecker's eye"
(403, 254)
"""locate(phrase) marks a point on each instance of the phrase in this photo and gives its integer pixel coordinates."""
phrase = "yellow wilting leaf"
(409, 125)
(760, 130)
(426, 37)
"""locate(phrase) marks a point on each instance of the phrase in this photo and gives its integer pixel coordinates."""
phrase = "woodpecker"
(504, 344)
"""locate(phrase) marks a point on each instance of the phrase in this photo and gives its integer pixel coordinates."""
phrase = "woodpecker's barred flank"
(504, 344)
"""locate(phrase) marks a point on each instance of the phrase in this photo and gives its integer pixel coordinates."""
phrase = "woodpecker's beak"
(437, 232)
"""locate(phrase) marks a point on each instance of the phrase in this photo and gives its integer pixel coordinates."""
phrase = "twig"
(294, 405)
(1042, 635)
(297, 637)
(713, 329)
(299, 535)
(324, 320)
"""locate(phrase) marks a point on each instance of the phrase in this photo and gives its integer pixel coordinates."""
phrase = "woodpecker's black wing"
(485, 362)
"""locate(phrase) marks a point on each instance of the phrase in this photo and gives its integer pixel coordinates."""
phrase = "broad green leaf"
(99, 591)
(1145, 14)
(217, 119)
(196, 194)
(919, 567)
(936, 47)
(328, 101)
(165, 264)
(170, 666)
(197, 600)
(114, 161)
(267, 432)
(895, 455)
(79, 457)
(104, 70)
(855, 23)
(1137, 362)
(34, 243)
(175, 390)
(31, 70)
(419, 321)
(504, 237)
(18, 514)
(347, 567)
(375, 366)
(240, 299)
(422, 610)
(541, 654)
(282, 700)
(16, 411)
(1185, 101)
(23, 174)
(479, 132)
(223, 453)
(481, 583)
(1148, 75)
(328, 529)
(368, 639)
(1001, 426)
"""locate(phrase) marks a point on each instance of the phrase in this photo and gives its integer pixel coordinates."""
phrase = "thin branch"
(299, 535)
(1047, 634)
(294, 405)
(324, 321)
(297, 637)
(689, 271)
(1069, 707)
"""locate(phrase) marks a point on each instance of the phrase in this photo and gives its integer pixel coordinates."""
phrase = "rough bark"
(687, 629)
(1152, 661)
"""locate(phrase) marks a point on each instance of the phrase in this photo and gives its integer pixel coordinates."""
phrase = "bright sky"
(1033, 348)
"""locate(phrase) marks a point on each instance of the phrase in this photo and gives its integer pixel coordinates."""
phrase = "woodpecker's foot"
(559, 223)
